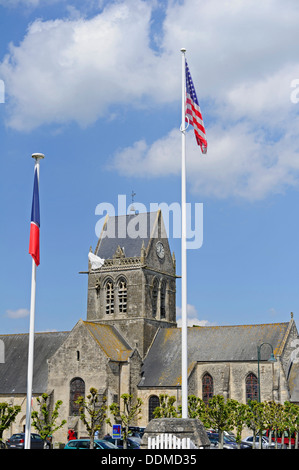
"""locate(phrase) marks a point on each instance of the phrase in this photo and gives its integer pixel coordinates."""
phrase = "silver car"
(265, 442)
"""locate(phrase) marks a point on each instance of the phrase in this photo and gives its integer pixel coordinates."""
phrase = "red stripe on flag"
(194, 116)
(34, 243)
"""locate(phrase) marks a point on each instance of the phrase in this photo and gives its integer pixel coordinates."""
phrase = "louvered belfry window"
(163, 300)
(109, 297)
(155, 298)
(122, 296)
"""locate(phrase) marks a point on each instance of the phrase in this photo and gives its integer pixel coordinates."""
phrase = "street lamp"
(271, 359)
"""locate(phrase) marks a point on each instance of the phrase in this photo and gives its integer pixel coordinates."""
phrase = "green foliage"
(197, 409)
(130, 410)
(219, 414)
(166, 409)
(43, 421)
(239, 417)
(8, 415)
(92, 412)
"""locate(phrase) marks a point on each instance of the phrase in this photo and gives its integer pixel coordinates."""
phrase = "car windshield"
(214, 437)
(229, 439)
(106, 445)
(72, 444)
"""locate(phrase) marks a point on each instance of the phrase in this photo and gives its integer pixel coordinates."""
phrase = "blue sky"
(96, 87)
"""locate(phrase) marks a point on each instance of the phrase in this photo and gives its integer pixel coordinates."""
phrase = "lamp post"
(271, 359)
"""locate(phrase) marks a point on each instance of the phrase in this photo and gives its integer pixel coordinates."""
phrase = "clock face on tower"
(160, 250)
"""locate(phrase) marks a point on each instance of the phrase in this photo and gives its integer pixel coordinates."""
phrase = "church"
(129, 341)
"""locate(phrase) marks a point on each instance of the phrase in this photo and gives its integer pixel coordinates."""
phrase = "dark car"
(131, 444)
(136, 430)
(229, 442)
(17, 441)
(85, 444)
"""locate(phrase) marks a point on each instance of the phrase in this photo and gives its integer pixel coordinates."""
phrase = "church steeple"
(135, 288)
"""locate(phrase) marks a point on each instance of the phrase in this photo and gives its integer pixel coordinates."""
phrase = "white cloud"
(158, 159)
(74, 70)
(242, 56)
(15, 314)
(192, 317)
(241, 162)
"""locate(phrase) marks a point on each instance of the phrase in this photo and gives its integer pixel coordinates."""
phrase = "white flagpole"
(37, 157)
(184, 251)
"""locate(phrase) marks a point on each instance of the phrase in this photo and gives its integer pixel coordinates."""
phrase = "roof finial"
(132, 208)
(292, 315)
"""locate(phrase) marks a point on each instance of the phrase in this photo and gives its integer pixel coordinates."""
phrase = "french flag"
(35, 222)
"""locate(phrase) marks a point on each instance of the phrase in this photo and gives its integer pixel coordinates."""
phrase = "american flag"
(193, 113)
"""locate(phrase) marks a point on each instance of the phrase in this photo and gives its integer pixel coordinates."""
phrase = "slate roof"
(162, 365)
(127, 231)
(110, 341)
(13, 372)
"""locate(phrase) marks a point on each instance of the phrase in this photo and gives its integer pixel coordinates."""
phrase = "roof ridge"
(36, 333)
(238, 326)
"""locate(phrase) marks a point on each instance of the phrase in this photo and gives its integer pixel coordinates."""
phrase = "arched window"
(77, 389)
(122, 295)
(155, 298)
(109, 297)
(251, 383)
(163, 300)
(207, 388)
(152, 405)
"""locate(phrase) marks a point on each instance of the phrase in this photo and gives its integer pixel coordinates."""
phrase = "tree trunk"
(220, 439)
(260, 440)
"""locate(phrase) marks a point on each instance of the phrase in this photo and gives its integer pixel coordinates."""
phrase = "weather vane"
(132, 208)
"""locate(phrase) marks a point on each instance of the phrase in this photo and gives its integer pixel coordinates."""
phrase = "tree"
(219, 416)
(8, 415)
(166, 409)
(239, 416)
(197, 408)
(92, 412)
(256, 420)
(296, 424)
(291, 419)
(277, 412)
(130, 410)
(43, 421)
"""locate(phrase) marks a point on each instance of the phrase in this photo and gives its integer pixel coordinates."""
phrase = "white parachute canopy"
(95, 261)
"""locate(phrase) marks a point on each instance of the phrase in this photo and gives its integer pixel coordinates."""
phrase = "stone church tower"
(135, 289)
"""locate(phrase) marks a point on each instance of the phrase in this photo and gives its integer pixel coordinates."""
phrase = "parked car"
(265, 442)
(137, 429)
(135, 438)
(131, 444)
(85, 444)
(17, 441)
(229, 441)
